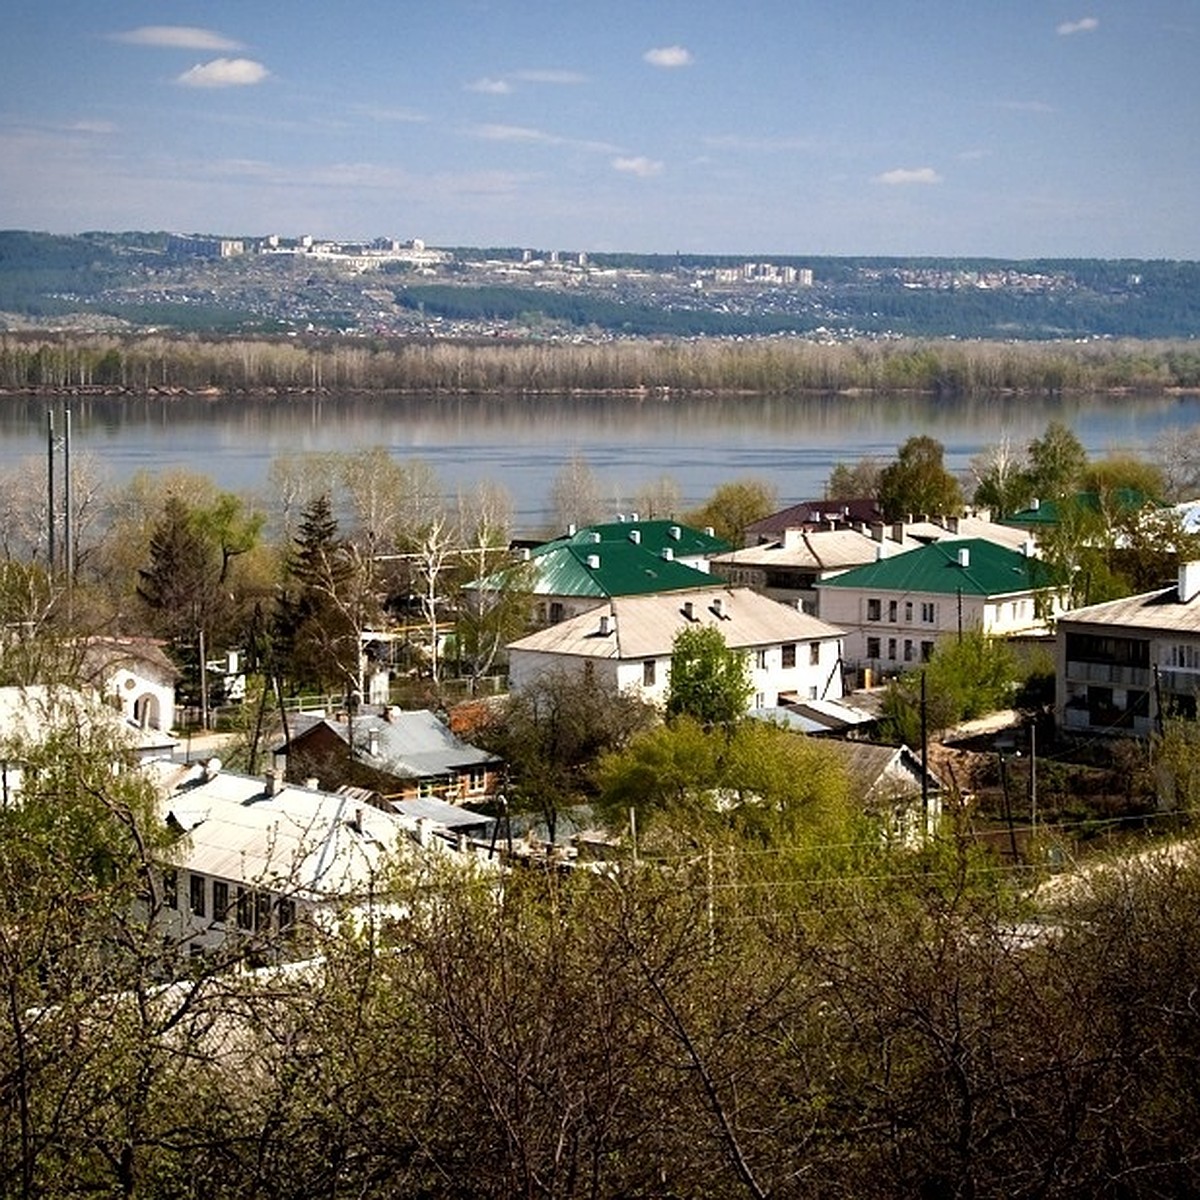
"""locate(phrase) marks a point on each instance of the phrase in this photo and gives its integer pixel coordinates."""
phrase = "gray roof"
(408, 745)
(645, 626)
(1150, 612)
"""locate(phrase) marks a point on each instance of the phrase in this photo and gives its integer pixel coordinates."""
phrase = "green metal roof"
(1049, 512)
(621, 569)
(991, 570)
(655, 535)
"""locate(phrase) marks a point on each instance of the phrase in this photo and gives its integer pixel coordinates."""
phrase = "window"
(814, 654)
(928, 612)
(892, 611)
(908, 612)
(872, 647)
(556, 612)
(286, 913)
(476, 779)
(171, 888)
(262, 910)
(760, 659)
(649, 673)
(812, 692)
(789, 655)
(197, 886)
(245, 909)
(908, 650)
(874, 609)
(926, 651)
(220, 900)
(892, 649)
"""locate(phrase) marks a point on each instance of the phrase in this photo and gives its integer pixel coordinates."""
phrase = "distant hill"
(139, 280)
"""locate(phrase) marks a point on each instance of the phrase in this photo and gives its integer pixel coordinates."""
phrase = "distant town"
(396, 287)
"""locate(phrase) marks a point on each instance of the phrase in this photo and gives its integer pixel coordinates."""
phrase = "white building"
(628, 643)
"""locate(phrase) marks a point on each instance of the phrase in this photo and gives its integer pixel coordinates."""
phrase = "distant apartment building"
(187, 246)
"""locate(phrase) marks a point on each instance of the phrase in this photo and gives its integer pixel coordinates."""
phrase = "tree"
(1057, 461)
(918, 482)
(575, 497)
(733, 507)
(320, 616)
(708, 680)
(551, 733)
(857, 482)
(1002, 481)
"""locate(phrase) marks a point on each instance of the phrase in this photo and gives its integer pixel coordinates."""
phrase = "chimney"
(898, 532)
(1029, 548)
(356, 821)
(633, 516)
(953, 524)
(718, 607)
(1189, 581)
(881, 552)
(605, 624)
(877, 530)
(593, 562)
(635, 536)
(668, 554)
(373, 742)
(964, 557)
(271, 782)
(526, 554)
(211, 768)
(674, 533)
(1035, 504)
(571, 530)
(710, 531)
(793, 539)
(312, 784)
(688, 611)
(595, 536)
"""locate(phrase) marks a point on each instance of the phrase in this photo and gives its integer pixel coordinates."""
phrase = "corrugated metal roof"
(820, 550)
(645, 626)
(408, 743)
(604, 569)
(652, 535)
(991, 570)
(1160, 611)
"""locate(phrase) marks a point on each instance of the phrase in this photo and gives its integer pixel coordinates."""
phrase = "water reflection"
(523, 441)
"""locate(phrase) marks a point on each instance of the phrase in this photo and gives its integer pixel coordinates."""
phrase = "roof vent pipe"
(571, 529)
(605, 624)
(635, 536)
(668, 554)
(593, 562)
(674, 533)
(964, 557)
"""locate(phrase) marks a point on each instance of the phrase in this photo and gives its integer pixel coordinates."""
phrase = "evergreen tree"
(317, 622)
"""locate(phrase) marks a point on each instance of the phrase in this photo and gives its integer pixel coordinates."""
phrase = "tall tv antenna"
(59, 445)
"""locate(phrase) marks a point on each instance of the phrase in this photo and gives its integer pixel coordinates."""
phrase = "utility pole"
(54, 444)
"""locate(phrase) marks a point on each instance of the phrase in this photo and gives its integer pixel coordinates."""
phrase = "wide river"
(522, 443)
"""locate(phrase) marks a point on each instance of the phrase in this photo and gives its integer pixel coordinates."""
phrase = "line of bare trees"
(774, 367)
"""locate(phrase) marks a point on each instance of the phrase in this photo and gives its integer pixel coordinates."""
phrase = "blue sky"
(1013, 128)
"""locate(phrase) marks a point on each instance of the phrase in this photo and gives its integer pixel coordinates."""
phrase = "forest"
(160, 362)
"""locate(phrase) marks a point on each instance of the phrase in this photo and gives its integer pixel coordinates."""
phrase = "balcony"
(1109, 674)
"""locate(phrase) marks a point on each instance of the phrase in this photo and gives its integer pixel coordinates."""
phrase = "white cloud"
(906, 175)
(523, 133)
(407, 116)
(768, 145)
(669, 56)
(638, 165)
(1083, 25)
(177, 37)
(224, 72)
(87, 126)
(490, 87)
(1032, 106)
(564, 77)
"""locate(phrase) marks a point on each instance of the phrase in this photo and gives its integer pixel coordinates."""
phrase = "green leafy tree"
(708, 680)
(1002, 481)
(918, 482)
(966, 678)
(1057, 461)
(733, 507)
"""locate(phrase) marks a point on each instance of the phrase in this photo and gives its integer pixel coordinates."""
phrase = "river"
(523, 442)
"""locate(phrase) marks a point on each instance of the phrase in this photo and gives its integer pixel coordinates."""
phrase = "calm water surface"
(522, 443)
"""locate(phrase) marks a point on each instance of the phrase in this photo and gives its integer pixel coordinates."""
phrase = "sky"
(1002, 128)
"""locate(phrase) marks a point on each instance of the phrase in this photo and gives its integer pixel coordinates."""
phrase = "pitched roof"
(606, 569)
(816, 512)
(408, 745)
(988, 570)
(653, 535)
(635, 627)
(820, 550)
(1160, 611)
(1049, 512)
